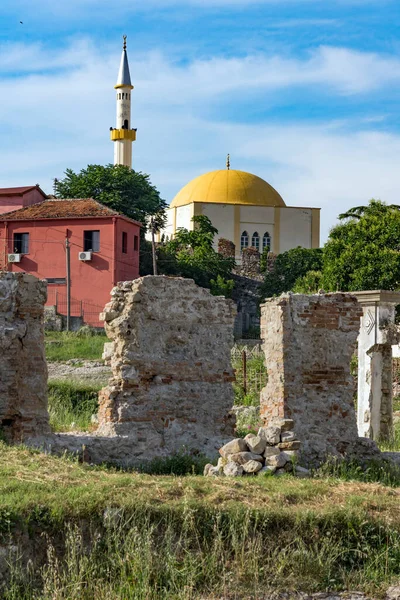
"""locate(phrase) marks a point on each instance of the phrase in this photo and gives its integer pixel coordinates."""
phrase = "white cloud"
(53, 120)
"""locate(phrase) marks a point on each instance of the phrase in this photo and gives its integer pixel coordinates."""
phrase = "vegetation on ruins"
(105, 533)
(191, 254)
(288, 267)
(117, 186)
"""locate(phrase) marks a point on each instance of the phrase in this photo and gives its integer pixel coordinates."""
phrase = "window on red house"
(21, 243)
(136, 243)
(91, 241)
(124, 242)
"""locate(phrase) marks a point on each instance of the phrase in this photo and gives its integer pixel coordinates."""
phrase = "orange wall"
(91, 281)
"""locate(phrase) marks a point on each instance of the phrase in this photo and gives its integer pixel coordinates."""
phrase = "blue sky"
(304, 93)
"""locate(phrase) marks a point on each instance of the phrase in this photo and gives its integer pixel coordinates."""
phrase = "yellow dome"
(228, 187)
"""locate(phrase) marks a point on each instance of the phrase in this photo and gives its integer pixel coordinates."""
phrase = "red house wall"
(12, 202)
(91, 281)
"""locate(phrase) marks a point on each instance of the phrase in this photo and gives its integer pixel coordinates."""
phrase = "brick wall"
(172, 374)
(308, 343)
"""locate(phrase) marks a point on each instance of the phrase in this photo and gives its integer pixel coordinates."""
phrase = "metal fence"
(87, 311)
(250, 371)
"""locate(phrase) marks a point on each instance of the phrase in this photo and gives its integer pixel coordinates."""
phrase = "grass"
(256, 379)
(113, 535)
(62, 346)
(72, 404)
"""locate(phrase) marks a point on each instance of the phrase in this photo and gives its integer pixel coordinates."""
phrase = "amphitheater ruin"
(171, 385)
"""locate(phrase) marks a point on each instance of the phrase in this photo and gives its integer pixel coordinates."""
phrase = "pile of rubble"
(273, 451)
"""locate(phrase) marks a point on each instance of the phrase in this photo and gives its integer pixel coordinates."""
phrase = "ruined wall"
(23, 369)
(308, 343)
(172, 375)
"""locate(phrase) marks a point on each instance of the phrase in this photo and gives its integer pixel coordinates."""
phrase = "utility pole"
(153, 247)
(68, 265)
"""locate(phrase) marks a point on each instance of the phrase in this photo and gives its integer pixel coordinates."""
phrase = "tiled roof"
(55, 209)
(18, 191)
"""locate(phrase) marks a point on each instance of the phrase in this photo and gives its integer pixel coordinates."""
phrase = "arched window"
(255, 240)
(126, 124)
(244, 240)
(266, 241)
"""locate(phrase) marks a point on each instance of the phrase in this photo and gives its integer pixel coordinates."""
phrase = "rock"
(393, 593)
(280, 472)
(295, 445)
(288, 455)
(255, 443)
(271, 451)
(221, 462)
(211, 471)
(252, 466)
(302, 473)
(233, 447)
(207, 469)
(240, 458)
(289, 467)
(271, 434)
(291, 454)
(278, 461)
(231, 469)
(288, 436)
(94, 419)
(284, 424)
(267, 471)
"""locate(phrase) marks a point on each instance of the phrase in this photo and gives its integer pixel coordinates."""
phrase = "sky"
(303, 93)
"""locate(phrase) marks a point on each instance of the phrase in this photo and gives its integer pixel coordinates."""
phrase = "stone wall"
(172, 374)
(23, 369)
(308, 343)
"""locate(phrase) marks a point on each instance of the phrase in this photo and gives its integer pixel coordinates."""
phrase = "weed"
(62, 346)
(72, 402)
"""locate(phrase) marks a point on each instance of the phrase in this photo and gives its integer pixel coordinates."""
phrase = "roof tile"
(54, 209)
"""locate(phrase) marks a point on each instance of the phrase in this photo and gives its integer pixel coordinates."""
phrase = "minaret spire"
(123, 135)
(228, 162)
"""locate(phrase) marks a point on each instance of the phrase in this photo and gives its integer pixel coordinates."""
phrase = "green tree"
(363, 252)
(191, 254)
(288, 267)
(309, 283)
(118, 187)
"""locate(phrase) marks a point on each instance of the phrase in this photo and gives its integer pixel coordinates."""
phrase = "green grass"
(72, 402)
(256, 379)
(130, 535)
(62, 346)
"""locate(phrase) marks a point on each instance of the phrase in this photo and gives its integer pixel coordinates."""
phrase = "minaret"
(123, 135)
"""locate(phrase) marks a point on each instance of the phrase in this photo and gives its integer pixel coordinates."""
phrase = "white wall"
(257, 214)
(184, 215)
(222, 217)
(295, 228)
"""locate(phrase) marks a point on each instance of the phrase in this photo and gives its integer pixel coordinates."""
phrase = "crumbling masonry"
(170, 358)
(23, 369)
(308, 343)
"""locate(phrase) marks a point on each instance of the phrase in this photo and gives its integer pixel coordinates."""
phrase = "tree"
(309, 283)
(363, 252)
(288, 267)
(117, 186)
(191, 254)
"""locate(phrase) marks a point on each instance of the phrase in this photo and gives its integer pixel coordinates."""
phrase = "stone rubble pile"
(273, 451)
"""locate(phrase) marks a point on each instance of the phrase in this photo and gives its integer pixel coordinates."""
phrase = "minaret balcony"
(123, 134)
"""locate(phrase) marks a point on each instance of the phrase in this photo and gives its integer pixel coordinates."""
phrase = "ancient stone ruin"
(308, 343)
(170, 358)
(23, 369)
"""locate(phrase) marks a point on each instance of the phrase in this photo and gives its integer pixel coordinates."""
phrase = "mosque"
(244, 208)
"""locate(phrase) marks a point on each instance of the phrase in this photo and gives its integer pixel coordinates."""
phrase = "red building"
(103, 249)
(20, 197)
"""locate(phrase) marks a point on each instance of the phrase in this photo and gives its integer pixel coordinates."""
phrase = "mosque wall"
(184, 216)
(295, 228)
(222, 216)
